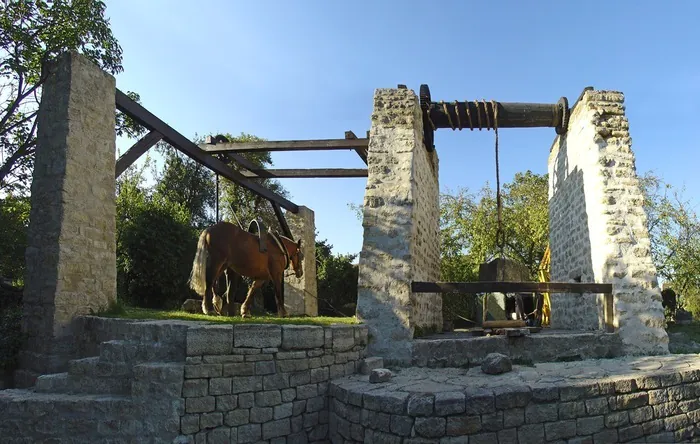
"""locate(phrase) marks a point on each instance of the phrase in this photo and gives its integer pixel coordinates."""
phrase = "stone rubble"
(496, 363)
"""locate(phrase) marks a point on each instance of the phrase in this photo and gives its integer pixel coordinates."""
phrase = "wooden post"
(609, 313)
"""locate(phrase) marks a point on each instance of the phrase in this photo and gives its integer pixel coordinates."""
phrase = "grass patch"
(135, 313)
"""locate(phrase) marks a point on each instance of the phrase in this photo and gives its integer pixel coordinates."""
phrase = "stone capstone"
(496, 363)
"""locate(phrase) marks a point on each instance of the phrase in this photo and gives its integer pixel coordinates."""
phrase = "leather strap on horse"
(278, 241)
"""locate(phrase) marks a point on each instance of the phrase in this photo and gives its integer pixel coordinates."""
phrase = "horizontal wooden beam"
(306, 173)
(290, 145)
(509, 287)
(132, 154)
(189, 148)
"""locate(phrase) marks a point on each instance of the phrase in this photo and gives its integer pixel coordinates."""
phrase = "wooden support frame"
(362, 152)
(282, 220)
(287, 145)
(526, 287)
(137, 150)
(189, 148)
(305, 173)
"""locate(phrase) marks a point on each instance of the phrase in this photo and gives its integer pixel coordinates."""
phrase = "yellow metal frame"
(543, 275)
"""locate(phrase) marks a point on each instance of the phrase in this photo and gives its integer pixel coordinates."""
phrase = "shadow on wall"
(570, 245)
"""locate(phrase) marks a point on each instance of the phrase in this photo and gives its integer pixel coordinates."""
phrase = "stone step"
(79, 418)
(95, 367)
(53, 383)
(95, 385)
(132, 352)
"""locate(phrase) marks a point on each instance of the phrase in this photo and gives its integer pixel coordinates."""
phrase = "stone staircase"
(129, 392)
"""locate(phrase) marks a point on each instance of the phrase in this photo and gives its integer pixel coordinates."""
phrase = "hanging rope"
(500, 234)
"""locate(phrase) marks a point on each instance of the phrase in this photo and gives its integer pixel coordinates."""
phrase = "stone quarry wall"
(264, 383)
(653, 409)
(71, 251)
(401, 232)
(598, 226)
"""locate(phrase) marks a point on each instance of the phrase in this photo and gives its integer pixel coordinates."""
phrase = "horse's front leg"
(279, 296)
(245, 307)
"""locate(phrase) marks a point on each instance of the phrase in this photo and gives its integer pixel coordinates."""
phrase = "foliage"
(188, 183)
(34, 33)
(337, 280)
(11, 337)
(155, 246)
(14, 220)
(142, 313)
(674, 230)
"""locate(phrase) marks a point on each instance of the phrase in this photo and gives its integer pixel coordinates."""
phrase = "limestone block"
(302, 337)
(257, 335)
(210, 340)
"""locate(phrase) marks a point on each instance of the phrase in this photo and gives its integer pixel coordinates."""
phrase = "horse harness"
(257, 226)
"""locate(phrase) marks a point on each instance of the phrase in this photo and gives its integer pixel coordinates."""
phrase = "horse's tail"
(198, 275)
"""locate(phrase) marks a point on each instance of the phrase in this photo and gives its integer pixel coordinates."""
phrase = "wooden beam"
(189, 148)
(281, 219)
(509, 287)
(290, 145)
(362, 152)
(136, 151)
(306, 173)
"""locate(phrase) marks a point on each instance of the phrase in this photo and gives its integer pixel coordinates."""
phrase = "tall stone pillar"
(598, 230)
(71, 252)
(401, 229)
(301, 295)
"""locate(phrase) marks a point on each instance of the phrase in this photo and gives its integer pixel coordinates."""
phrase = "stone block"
(202, 404)
(220, 435)
(492, 422)
(189, 424)
(202, 371)
(380, 375)
(508, 397)
(220, 386)
(572, 410)
(343, 337)
(420, 405)
(463, 425)
(237, 417)
(283, 410)
(449, 403)
(307, 391)
(192, 388)
(244, 384)
(239, 369)
(249, 433)
(319, 375)
(268, 399)
(432, 427)
(514, 417)
(225, 403)
(560, 429)
(209, 340)
(299, 378)
(278, 381)
(508, 436)
(211, 420)
(260, 415)
(537, 413)
(531, 434)
(257, 335)
(302, 337)
(265, 368)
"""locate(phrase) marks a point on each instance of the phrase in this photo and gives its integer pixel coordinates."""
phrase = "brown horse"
(224, 246)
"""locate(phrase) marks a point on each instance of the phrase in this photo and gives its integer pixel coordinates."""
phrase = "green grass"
(122, 312)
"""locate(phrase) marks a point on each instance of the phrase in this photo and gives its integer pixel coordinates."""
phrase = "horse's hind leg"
(231, 291)
(213, 274)
(245, 307)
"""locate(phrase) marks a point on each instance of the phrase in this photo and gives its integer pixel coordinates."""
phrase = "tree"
(337, 281)
(188, 183)
(32, 34)
(14, 220)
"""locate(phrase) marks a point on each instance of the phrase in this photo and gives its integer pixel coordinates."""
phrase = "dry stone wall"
(264, 383)
(598, 227)
(401, 233)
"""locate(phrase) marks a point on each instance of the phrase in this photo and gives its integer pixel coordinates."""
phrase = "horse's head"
(297, 257)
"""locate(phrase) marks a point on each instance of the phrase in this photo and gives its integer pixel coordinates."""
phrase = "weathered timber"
(509, 287)
(480, 115)
(503, 324)
(136, 151)
(306, 173)
(189, 148)
(282, 220)
(362, 152)
(289, 145)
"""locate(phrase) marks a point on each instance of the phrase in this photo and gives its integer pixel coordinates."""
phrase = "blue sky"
(308, 69)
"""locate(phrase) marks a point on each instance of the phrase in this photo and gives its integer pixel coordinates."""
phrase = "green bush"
(10, 337)
(155, 246)
(14, 220)
(337, 281)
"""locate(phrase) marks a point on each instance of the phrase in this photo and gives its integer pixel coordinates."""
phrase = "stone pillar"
(401, 229)
(71, 252)
(598, 229)
(301, 295)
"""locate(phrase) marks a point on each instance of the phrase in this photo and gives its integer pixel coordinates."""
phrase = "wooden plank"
(282, 220)
(362, 152)
(509, 287)
(503, 324)
(132, 154)
(510, 115)
(189, 148)
(609, 313)
(288, 145)
(306, 173)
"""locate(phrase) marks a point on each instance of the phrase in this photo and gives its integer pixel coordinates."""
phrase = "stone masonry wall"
(654, 409)
(264, 383)
(301, 295)
(598, 226)
(401, 235)
(71, 252)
